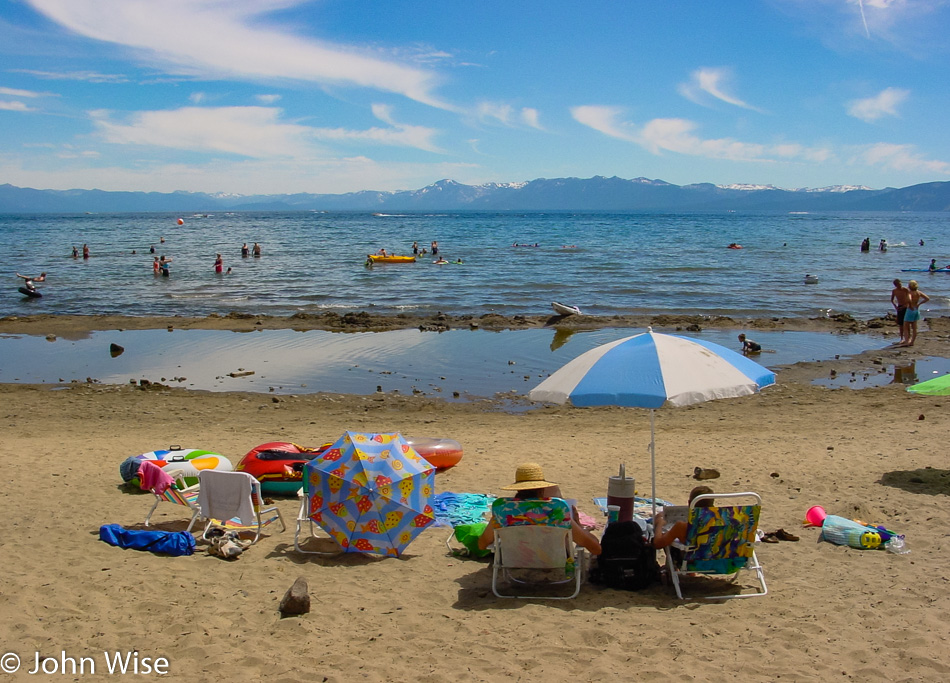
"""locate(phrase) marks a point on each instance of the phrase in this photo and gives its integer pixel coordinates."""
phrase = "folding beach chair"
(719, 542)
(304, 518)
(233, 500)
(535, 536)
(177, 493)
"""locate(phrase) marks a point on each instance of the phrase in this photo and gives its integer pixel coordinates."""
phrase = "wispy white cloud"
(678, 135)
(244, 176)
(86, 76)
(507, 115)
(885, 103)
(232, 39)
(914, 26)
(70, 153)
(17, 105)
(14, 105)
(399, 134)
(712, 82)
(13, 92)
(255, 132)
(879, 16)
(903, 158)
(267, 99)
(530, 117)
(605, 120)
(247, 131)
(493, 111)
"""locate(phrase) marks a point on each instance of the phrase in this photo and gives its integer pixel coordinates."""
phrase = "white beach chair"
(233, 500)
(719, 542)
(304, 518)
(535, 535)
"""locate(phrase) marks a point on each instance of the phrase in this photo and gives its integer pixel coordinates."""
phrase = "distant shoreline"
(541, 194)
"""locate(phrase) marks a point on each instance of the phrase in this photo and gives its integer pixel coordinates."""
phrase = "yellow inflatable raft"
(392, 258)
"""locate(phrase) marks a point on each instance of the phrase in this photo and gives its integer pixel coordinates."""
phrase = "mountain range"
(557, 194)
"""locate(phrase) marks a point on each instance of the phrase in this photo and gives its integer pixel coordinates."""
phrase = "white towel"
(226, 495)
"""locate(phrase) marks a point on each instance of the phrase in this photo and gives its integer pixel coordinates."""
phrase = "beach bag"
(165, 542)
(841, 531)
(627, 560)
(468, 535)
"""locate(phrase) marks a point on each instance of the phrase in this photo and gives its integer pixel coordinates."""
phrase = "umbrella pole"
(653, 462)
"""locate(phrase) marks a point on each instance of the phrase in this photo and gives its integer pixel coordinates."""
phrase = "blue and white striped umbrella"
(651, 370)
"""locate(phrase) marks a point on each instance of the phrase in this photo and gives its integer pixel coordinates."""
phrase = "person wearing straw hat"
(530, 484)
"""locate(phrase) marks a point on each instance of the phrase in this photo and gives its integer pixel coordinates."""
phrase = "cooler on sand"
(621, 490)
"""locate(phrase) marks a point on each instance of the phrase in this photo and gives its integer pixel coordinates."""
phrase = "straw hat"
(529, 475)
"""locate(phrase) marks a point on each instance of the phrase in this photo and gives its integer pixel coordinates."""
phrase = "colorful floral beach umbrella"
(651, 370)
(371, 492)
(938, 386)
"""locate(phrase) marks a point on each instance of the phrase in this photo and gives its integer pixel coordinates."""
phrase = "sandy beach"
(832, 613)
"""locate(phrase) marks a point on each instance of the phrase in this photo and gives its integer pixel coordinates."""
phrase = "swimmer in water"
(28, 280)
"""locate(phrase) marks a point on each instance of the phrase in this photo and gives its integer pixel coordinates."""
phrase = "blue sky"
(330, 96)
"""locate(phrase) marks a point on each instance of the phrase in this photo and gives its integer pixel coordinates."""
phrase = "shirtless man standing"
(900, 297)
(915, 299)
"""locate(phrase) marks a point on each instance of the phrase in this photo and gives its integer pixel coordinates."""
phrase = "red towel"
(153, 478)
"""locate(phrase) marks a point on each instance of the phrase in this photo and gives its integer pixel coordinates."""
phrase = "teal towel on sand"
(453, 509)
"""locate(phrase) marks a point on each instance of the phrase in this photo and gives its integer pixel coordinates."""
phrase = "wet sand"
(832, 612)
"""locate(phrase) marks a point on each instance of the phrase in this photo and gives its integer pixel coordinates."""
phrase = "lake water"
(469, 363)
(603, 263)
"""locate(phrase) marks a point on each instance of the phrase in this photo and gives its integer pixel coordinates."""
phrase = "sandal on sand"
(770, 538)
(783, 535)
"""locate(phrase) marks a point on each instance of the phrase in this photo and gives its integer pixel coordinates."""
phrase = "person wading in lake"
(916, 298)
(900, 297)
(749, 346)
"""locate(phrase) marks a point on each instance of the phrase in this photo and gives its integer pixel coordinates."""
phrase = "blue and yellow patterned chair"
(535, 536)
(720, 541)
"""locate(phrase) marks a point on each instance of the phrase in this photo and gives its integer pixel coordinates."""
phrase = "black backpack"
(627, 560)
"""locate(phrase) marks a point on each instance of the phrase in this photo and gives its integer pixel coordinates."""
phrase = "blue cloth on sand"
(166, 542)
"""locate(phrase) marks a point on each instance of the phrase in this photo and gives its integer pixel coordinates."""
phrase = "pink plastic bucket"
(815, 516)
